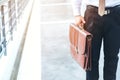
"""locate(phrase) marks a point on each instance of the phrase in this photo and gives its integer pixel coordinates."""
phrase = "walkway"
(30, 68)
(57, 63)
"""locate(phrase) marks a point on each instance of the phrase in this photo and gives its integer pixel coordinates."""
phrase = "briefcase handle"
(80, 29)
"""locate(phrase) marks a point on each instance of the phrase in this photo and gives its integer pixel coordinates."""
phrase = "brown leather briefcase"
(80, 45)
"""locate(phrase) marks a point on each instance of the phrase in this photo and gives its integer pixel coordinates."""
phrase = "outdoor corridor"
(44, 53)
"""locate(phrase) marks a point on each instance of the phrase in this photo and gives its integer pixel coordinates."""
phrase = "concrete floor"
(30, 64)
(57, 63)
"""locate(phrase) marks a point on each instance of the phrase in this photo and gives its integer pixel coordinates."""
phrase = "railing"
(10, 12)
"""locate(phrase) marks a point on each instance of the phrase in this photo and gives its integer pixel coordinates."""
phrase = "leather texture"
(80, 46)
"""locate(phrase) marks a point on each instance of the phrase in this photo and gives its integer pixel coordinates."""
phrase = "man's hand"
(79, 21)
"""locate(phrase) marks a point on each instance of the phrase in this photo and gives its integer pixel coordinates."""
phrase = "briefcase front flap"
(81, 43)
(71, 35)
(78, 38)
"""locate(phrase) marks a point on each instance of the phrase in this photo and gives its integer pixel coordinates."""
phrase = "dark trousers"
(106, 28)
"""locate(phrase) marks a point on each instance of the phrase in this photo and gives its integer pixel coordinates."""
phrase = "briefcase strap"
(87, 64)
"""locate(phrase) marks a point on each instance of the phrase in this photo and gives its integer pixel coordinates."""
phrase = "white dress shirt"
(78, 4)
